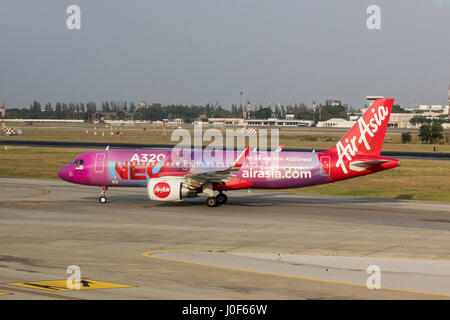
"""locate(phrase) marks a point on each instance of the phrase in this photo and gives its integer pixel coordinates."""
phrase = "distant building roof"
(336, 123)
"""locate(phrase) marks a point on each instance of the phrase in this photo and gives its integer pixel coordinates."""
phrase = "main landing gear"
(102, 198)
(221, 198)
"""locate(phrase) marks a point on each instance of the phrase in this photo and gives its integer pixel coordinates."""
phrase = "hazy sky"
(199, 51)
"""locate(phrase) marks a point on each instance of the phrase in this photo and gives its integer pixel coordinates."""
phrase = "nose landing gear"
(211, 202)
(102, 198)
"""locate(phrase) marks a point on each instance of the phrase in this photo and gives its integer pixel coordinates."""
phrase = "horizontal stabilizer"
(363, 165)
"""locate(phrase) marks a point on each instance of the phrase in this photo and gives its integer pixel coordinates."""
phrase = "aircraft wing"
(196, 180)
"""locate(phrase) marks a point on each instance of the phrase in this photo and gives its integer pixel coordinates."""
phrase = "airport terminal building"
(271, 122)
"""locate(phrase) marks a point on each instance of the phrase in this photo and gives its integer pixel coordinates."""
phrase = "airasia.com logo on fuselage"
(161, 190)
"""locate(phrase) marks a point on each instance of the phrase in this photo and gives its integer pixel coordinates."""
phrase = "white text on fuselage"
(351, 148)
(272, 173)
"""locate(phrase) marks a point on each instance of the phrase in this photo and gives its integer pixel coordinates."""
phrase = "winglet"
(280, 148)
(241, 159)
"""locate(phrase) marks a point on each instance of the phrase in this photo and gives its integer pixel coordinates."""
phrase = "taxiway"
(227, 252)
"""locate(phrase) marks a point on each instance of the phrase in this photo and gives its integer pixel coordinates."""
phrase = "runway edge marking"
(152, 254)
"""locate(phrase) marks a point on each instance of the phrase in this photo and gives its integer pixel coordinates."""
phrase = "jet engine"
(160, 189)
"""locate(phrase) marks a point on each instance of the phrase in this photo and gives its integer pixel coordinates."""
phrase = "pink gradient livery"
(171, 178)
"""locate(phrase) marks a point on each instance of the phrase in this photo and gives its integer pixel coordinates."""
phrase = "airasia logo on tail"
(367, 130)
(161, 190)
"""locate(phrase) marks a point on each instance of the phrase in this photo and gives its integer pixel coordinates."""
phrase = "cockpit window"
(78, 161)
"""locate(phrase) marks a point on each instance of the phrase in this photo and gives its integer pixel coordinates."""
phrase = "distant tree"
(132, 107)
(120, 115)
(85, 111)
(290, 109)
(35, 109)
(328, 112)
(406, 137)
(263, 113)
(91, 108)
(105, 106)
(155, 112)
(443, 118)
(138, 116)
(436, 132)
(239, 111)
(396, 108)
(65, 111)
(425, 133)
(234, 111)
(58, 109)
(48, 112)
(221, 113)
(419, 120)
(304, 113)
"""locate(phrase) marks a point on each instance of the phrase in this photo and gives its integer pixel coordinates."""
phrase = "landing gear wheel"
(102, 199)
(211, 202)
(221, 198)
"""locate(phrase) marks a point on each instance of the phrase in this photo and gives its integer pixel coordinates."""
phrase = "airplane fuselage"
(261, 170)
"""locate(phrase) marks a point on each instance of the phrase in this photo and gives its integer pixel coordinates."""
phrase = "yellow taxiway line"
(39, 293)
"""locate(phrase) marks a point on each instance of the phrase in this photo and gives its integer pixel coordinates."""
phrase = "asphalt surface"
(169, 250)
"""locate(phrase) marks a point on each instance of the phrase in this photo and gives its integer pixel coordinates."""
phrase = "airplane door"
(325, 165)
(79, 171)
(99, 162)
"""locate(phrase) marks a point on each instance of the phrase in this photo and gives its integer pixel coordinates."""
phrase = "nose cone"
(63, 173)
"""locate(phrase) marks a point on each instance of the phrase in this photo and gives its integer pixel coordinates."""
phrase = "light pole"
(244, 107)
(2, 110)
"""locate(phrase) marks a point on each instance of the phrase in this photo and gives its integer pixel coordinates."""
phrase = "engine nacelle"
(160, 189)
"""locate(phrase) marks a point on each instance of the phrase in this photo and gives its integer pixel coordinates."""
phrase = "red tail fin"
(367, 135)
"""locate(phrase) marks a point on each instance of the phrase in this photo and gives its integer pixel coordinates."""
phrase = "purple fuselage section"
(133, 168)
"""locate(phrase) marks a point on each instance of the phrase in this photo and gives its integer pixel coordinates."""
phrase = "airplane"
(167, 178)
